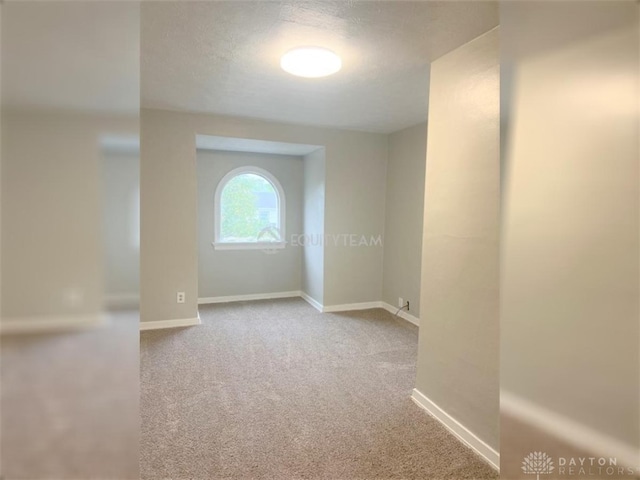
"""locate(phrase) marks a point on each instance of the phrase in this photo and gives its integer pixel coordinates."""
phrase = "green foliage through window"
(248, 205)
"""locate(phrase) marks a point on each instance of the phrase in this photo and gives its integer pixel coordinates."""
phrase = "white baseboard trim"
(179, 322)
(51, 323)
(570, 431)
(466, 436)
(122, 300)
(402, 313)
(311, 301)
(244, 298)
(348, 307)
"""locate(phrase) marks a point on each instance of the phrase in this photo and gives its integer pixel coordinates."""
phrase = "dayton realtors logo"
(537, 463)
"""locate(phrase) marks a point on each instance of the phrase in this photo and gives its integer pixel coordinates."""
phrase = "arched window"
(249, 210)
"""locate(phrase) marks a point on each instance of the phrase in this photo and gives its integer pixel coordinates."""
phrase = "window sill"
(248, 245)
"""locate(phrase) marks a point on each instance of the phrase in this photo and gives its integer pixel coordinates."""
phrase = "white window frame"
(219, 245)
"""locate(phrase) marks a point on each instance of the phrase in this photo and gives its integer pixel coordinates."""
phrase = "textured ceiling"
(71, 56)
(223, 58)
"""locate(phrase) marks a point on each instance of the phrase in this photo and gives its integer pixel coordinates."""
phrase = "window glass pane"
(249, 210)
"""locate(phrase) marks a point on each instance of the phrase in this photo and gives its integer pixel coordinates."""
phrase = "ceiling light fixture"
(310, 62)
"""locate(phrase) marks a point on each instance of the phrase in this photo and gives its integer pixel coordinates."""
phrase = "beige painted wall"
(459, 342)
(569, 289)
(52, 244)
(244, 272)
(168, 214)
(313, 227)
(355, 178)
(404, 214)
(121, 225)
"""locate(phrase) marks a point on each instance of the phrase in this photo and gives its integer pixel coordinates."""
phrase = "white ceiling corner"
(249, 145)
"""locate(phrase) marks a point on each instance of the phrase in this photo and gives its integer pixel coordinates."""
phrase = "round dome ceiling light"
(310, 62)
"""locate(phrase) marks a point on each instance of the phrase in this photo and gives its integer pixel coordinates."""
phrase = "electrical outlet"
(180, 297)
(400, 302)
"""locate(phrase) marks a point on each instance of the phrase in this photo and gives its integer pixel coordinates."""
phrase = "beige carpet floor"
(69, 403)
(274, 389)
